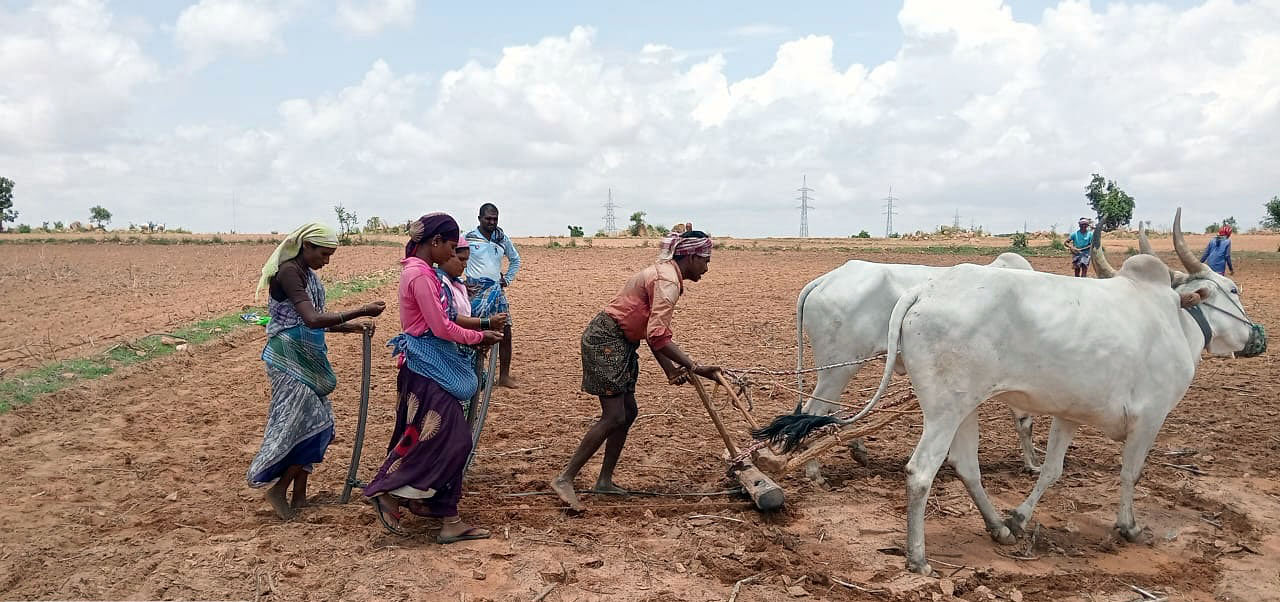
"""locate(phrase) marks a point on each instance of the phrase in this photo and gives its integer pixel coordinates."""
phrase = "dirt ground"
(69, 300)
(132, 486)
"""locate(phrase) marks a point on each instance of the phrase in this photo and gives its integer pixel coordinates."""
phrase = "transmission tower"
(956, 223)
(804, 199)
(610, 220)
(889, 212)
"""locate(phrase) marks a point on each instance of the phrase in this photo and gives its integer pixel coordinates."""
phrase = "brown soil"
(132, 486)
(72, 300)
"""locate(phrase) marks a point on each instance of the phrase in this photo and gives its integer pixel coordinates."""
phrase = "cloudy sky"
(705, 111)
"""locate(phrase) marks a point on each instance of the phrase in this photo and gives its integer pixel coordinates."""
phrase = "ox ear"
(1178, 278)
(1193, 298)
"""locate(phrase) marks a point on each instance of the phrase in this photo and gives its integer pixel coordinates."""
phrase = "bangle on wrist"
(484, 323)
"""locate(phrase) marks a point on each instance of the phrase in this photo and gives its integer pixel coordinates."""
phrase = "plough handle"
(365, 360)
(715, 416)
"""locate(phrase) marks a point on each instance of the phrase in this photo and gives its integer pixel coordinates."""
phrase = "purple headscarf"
(427, 227)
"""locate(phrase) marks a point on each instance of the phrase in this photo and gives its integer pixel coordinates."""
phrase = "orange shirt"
(647, 303)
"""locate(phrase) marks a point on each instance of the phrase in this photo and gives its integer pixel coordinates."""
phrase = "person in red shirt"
(641, 311)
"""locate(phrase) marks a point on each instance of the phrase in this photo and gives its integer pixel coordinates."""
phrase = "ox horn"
(1101, 266)
(1144, 245)
(1189, 261)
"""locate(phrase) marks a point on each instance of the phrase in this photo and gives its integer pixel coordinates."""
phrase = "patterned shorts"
(610, 364)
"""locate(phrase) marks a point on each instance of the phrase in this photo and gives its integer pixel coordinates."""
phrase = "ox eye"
(1235, 291)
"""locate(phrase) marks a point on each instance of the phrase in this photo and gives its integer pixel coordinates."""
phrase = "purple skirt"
(428, 449)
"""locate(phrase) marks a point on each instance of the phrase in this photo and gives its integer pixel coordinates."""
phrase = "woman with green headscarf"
(300, 420)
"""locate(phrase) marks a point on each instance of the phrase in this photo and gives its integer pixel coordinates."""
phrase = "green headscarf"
(317, 234)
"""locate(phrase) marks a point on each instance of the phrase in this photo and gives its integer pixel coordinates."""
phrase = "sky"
(257, 116)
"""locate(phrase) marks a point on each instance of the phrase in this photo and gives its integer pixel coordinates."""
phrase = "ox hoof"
(1130, 533)
(1015, 523)
(859, 452)
(920, 568)
(1003, 535)
(1030, 469)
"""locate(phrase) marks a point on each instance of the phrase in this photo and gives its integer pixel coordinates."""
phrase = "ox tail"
(789, 431)
(804, 294)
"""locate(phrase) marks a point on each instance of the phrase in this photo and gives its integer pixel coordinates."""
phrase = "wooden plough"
(750, 467)
(766, 494)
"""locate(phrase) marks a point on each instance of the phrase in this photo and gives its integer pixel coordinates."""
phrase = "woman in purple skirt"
(431, 441)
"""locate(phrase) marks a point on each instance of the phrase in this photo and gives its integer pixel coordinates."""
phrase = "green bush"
(1018, 240)
(1055, 243)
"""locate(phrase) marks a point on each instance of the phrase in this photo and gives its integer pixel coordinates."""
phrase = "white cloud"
(68, 71)
(1001, 120)
(368, 17)
(210, 28)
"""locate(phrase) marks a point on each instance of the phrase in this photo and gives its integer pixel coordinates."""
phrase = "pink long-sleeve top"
(423, 305)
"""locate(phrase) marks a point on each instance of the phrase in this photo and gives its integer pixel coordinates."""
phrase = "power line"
(889, 212)
(804, 199)
(610, 220)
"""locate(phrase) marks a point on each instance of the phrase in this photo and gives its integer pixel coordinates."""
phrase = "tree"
(575, 232)
(862, 234)
(374, 224)
(1112, 205)
(1272, 220)
(638, 227)
(100, 216)
(7, 214)
(347, 223)
(1214, 227)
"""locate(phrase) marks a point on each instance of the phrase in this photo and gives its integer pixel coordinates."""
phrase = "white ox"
(848, 319)
(1117, 354)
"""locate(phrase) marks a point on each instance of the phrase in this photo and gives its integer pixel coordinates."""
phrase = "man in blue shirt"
(487, 283)
(1218, 254)
(1080, 244)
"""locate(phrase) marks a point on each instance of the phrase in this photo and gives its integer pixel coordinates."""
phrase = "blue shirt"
(486, 256)
(1081, 241)
(1218, 255)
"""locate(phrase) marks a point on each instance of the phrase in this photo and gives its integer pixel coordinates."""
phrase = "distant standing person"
(1080, 244)
(487, 283)
(1218, 254)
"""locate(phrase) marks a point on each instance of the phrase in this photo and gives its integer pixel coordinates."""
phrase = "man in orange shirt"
(611, 365)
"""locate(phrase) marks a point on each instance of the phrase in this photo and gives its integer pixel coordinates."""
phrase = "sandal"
(470, 533)
(382, 518)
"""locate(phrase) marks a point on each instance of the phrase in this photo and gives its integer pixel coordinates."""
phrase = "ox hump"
(1145, 268)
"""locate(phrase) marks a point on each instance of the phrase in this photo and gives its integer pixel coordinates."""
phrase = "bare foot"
(564, 489)
(275, 497)
(299, 492)
(608, 488)
(507, 382)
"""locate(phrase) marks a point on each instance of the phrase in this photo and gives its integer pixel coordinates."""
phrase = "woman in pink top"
(642, 311)
(429, 447)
